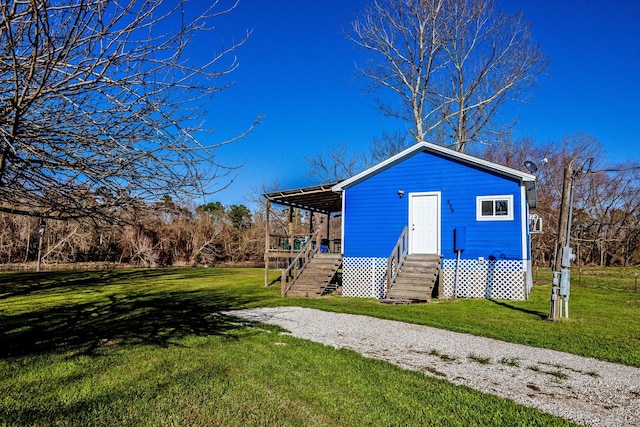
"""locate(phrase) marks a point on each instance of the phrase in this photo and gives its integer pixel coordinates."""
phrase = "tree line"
(159, 234)
(605, 222)
(605, 225)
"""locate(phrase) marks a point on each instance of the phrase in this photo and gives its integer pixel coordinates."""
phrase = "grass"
(557, 374)
(560, 367)
(479, 359)
(510, 361)
(150, 347)
(444, 357)
(248, 378)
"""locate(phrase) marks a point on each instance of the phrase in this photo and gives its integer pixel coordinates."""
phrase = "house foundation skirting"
(495, 279)
(364, 277)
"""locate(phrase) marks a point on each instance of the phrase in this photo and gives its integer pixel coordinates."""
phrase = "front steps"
(416, 279)
(316, 277)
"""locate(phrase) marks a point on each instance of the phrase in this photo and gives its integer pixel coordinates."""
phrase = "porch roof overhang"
(318, 198)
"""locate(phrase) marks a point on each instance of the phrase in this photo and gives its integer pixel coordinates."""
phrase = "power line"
(617, 170)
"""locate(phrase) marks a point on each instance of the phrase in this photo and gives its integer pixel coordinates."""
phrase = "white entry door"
(424, 223)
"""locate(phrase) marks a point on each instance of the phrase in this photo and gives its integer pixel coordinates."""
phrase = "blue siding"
(375, 214)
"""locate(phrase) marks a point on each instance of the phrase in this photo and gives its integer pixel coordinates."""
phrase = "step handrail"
(298, 264)
(396, 259)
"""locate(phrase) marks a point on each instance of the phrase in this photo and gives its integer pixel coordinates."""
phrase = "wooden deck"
(287, 246)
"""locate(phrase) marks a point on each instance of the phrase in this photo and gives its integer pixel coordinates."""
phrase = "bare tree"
(333, 165)
(387, 145)
(451, 63)
(337, 163)
(606, 215)
(607, 225)
(100, 104)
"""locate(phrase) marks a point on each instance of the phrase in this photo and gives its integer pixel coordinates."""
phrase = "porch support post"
(318, 240)
(267, 233)
(328, 225)
(290, 228)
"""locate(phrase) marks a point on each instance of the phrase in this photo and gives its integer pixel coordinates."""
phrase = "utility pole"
(554, 309)
(564, 256)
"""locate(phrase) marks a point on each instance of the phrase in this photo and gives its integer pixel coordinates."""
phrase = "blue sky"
(297, 69)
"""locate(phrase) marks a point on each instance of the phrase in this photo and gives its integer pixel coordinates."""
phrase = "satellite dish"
(531, 167)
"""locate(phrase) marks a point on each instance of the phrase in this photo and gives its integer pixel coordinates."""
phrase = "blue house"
(426, 222)
(472, 213)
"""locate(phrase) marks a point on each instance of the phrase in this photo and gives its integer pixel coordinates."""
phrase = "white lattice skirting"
(499, 279)
(496, 279)
(364, 277)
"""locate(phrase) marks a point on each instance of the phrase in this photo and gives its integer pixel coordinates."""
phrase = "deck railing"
(396, 259)
(298, 264)
(292, 244)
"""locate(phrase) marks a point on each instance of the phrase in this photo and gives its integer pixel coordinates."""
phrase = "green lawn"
(149, 347)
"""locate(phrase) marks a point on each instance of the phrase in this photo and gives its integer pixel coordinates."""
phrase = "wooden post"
(290, 229)
(267, 243)
(283, 282)
(328, 234)
(554, 307)
(43, 226)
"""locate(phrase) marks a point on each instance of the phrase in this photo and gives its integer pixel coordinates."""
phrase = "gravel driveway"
(584, 390)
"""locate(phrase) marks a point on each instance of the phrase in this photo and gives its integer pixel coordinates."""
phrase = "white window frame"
(494, 217)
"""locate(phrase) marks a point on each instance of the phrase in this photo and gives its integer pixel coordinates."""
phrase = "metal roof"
(318, 198)
(446, 152)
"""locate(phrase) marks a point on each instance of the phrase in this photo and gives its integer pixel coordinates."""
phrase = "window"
(494, 208)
